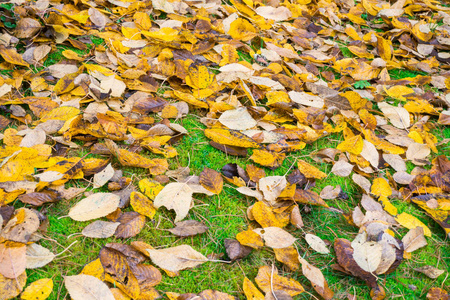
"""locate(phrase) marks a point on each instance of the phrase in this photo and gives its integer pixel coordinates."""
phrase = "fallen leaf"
(38, 290)
(176, 196)
(268, 280)
(236, 250)
(176, 258)
(275, 237)
(38, 256)
(86, 287)
(211, 180)
(188, 228)
(316, 243)
(95, 206)
(414, 239)
(430, 271)
(100, 229)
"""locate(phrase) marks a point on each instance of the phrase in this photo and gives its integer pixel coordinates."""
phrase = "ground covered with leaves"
(224, 149)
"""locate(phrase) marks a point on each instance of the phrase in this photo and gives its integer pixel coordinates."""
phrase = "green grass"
(226, 216)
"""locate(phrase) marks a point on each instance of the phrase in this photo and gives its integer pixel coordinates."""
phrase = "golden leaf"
(251, 291)
(10, 55)
(288, 256)
(410, 222)
(230, 137)
(352, 145)
(150, 188)
(381, 187)
(241, 29)
(141, 204)
(199, 77)
(268, 280)
(268, 158)
(94, 268)
(266, 217)
(250, 238)
(310, 171)
(38, 290)
(399, 91)
(211, 180)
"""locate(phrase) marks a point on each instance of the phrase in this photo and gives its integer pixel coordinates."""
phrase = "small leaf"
(188, 228)
(211, 180)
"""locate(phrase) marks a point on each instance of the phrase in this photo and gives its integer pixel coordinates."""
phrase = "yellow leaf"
(250, 238)
(199, 77)
(269, 280)
(10, 55)
(309, 170)
(399, 91)
(229, 55)
(241, 29)
(189, 98)
(62, 113)
(276, 97)
(251, 291)
(169, 112)
(11, 138)
(387, 205)
(410, 222)
(141, 204)
(143, 20)
(69, 54)
(356, 101)
(165, 34)
(230, 137)
(288, 256)
(91, 68)
(38, 290)
(266, 217)
(150, 188)
(94, 268)
(352, 145)
(268, 158)
(384, 48)
(381, 187)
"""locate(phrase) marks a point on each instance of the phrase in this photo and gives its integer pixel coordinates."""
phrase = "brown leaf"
(211, 180)
(236, 250)
(39, 198)
(27, 27)
(188, 228)
(437, 294)
(317, 279)
(100, 229)
(430, 271)
(131, 223)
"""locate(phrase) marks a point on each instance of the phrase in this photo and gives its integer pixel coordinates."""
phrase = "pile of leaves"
(267, 77)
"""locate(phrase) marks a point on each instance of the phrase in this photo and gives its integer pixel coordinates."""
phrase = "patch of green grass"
(404, 73)
(345, 52)
(97, 40)
(245, 56)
